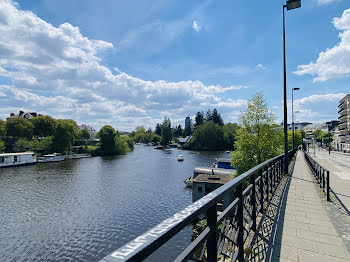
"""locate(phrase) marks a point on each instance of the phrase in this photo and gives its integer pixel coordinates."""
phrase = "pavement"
(300, 228)
(339, 166)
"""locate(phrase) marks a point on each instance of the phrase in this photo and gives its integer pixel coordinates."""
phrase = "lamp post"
(291, 4)
(294, 89)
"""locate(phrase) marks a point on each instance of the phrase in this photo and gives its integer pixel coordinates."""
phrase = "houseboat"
(55, 157)
(16, 159)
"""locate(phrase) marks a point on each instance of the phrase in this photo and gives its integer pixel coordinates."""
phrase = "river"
(81, 210)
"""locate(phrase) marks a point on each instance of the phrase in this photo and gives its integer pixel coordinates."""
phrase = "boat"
(180, 158)
(227, 151)
(16, 159)
(55, 157)
(77, 156)
(222, 167)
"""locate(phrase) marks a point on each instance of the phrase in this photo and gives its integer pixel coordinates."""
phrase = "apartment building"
(344, 124)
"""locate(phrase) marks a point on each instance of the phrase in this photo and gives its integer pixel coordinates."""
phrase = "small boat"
(180, 158)
(55, 157)
(227, 151)
(77, 156)
(16, 159)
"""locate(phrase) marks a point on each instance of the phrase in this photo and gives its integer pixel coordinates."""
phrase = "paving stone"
(331, 250)
(308, 256)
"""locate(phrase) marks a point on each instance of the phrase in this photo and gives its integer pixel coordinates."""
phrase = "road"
(339, 167)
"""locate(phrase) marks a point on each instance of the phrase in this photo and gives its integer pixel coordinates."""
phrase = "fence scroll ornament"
(226, 232)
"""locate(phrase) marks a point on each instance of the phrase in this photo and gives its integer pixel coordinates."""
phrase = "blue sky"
(130, 63)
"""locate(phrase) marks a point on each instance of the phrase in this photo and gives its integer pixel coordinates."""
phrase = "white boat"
(55, 157)
(180, 158)
(77, 156)
(16, 159)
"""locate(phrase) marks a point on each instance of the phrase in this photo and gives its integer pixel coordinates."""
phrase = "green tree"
(85, 135)
(318, 133)
(259, 138)
(20, 128)
(216, 117)
(107, 136)
(327, 138)
(2, 128)
(44, 126)
(166, 131)
(66, 134)
(121, 145)
(155, 138)
(21, 145)
(158, 130)
(230, 135)
(208, 136)
(2, 146)
(199, 119)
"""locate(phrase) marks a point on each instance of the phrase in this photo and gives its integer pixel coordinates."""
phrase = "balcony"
(341, 110)
(342, 103)
(343, 117)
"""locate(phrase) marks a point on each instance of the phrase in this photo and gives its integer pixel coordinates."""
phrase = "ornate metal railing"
(225, 235)
(321, 174)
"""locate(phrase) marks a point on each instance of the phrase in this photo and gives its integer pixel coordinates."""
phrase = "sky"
(131, 63)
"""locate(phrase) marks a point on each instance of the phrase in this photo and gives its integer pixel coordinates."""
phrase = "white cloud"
(260, 67)
(334, 62)
(57, 71)
(196, 26)
(316, 108)
(325, 2)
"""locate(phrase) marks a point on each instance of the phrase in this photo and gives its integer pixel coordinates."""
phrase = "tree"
(199, 119)
(2, 128)
(20, 128)
(21, 145)
(66, 134)
(44, 126)
(178, 131)
(166, 131)
(208, 136)
(85, 135)
(216, 118)
(318, 133)
(209, 115)
(2, 146)
(259, 138)
(327, 139)
(107, 136)
(158, 130)
(230, 135)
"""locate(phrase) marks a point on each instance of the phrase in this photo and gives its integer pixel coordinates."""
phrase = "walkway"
(296, 226)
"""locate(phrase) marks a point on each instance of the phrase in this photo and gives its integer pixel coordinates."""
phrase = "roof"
(185, 139)
(213, 179)
(224, 160)
(17, 154)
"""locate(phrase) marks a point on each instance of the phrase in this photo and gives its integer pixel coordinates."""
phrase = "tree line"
(44, 134)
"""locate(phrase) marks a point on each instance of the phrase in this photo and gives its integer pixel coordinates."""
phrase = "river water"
(82, 210)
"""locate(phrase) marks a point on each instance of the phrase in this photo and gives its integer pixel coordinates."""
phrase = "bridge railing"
(321, 174)
(244, 198)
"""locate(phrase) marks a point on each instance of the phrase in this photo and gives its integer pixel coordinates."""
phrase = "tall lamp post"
(291, 4)
(294, 89)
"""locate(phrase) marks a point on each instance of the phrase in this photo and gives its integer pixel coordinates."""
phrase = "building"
(187, 122)
(91, 131)
(184, 141)
(204, 184)
(336, 138)
(325, 127)
(22, 114)
(298, 126)
(344, 124)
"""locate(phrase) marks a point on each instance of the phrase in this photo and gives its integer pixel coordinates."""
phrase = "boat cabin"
(15, 159)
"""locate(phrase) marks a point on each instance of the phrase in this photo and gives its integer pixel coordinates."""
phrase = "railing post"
(261, 174)
(211, 241)
(328, 196)
(240, 222)
(323, 181)
(253, 199)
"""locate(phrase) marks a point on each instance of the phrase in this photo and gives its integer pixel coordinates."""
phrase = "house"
(91, 131)
(23, 114)
(184, 141)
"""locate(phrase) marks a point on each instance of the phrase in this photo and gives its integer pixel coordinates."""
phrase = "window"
(200, 189)
(15, 158)
(2, 159)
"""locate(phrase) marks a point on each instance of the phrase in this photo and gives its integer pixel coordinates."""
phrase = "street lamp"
(293, 89)
(291, 4)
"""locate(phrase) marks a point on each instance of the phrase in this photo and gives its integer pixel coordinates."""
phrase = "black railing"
(341, 110)
(321, 174)
(244, 198)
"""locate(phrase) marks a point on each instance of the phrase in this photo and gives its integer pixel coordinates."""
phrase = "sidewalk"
(302, 229)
